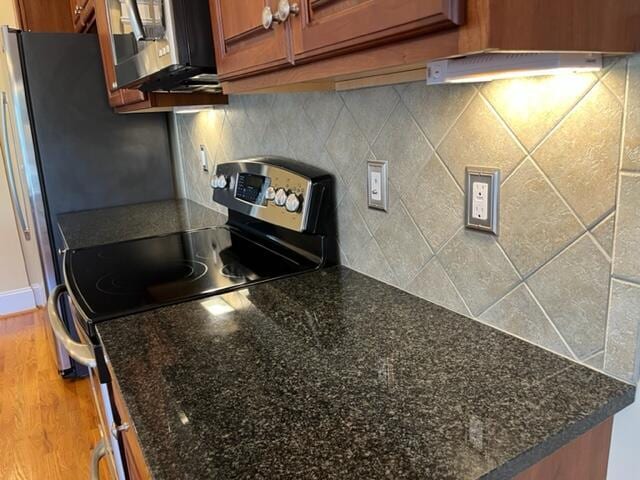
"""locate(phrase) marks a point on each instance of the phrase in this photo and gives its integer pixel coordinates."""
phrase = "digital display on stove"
(250, 188)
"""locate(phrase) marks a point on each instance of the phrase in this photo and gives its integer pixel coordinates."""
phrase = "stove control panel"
(274, 190)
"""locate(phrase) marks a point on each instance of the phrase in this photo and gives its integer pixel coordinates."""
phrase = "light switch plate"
(204, 162)
(482, 198)
(377, 185)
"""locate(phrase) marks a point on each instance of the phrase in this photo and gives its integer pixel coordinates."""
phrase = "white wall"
(624, 458)
(14, 285)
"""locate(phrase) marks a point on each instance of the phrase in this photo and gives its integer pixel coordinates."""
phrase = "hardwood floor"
(48, 425)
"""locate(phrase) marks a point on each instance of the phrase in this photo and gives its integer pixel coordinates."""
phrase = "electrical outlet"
(204, 161)
(482, 199)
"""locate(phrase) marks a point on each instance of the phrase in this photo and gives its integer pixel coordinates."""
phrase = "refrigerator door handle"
(80, 352)
(8, 163)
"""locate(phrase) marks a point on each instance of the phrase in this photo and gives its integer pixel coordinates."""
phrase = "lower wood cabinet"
(135, 464)
(585, 458)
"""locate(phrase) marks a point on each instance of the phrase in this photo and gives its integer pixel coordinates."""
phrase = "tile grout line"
(562, 119)
(557, 192)
(548, 317)
(557, 255)
(457, 118)
(504, 123)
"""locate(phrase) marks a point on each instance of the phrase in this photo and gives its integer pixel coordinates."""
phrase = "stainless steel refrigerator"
(64, 149)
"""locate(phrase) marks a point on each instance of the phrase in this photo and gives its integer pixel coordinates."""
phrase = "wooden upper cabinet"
(329, 27)
(44, 16)
(242, 44)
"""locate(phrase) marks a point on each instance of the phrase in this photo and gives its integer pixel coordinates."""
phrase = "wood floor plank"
(48, 424)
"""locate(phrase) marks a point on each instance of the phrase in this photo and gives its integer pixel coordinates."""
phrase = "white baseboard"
(15, 301)
(39, 295)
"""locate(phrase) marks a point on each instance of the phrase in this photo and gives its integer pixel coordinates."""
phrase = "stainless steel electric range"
(281, 222)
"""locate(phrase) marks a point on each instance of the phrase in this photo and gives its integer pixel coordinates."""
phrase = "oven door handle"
(98, 453)
(80, 352)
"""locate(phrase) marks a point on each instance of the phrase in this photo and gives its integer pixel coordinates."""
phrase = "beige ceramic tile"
(347, 145)
(323, 109)
(616, 79)
(433, 284)
(581, 156)
(403, 246)
(435, 203)
(533, 106)
(519, 314)
(352, 231)
(535, 224)
(479, 139)
(573, 289)
(371, 107)
(631, 158)
(478, 268)
(403, 145)
(626, 252)
(604, 233)
(436, 107)
(371, 261)
(623, 332)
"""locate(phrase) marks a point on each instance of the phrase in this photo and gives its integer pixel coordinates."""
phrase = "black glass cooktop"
(117, 279)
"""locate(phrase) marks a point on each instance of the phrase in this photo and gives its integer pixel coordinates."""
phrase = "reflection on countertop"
(335, 375)
(109, 225)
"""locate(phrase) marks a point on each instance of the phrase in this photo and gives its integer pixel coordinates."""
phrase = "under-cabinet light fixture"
(485, 67)
(194, 109)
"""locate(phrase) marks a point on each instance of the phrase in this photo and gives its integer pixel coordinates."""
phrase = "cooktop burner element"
(136, 281)
(121, 278)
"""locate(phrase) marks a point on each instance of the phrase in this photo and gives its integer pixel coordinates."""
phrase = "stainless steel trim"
(148, 60)
(279, 177)
(102, 401)
(8, 163)
(80, 352)
(39, 256)
(135, 19)
(98, 453)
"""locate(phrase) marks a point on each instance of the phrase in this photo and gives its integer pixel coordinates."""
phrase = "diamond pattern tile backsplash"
(564, 271)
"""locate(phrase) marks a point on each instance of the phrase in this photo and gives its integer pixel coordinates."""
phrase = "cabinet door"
(44, 16)
(242, 44)
(326, 27)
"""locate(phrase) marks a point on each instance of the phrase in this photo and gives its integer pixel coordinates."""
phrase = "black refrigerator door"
(88, 156)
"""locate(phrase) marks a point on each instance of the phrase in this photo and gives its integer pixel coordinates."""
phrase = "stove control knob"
(270, 194)
(281, 197)
(293, 203)
(221, 181)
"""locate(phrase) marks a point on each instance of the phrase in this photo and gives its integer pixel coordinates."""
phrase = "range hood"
(485, 67)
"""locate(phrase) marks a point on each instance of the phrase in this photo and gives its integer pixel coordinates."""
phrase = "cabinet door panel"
(242, 44)
(326, 27)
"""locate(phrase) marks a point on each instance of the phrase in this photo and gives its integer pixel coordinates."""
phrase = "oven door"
(142, 38)
(83, 352)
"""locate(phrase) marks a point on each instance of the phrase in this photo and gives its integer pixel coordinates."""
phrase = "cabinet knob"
(285, 9)
(269, 18)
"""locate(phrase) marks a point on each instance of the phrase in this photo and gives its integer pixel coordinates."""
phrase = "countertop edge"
(534, 455)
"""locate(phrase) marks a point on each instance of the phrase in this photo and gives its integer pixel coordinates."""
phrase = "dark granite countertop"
(109, 225)
(334, 375)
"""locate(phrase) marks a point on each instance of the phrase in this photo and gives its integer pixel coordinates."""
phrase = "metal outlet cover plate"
(487, 183)
(377, 185)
